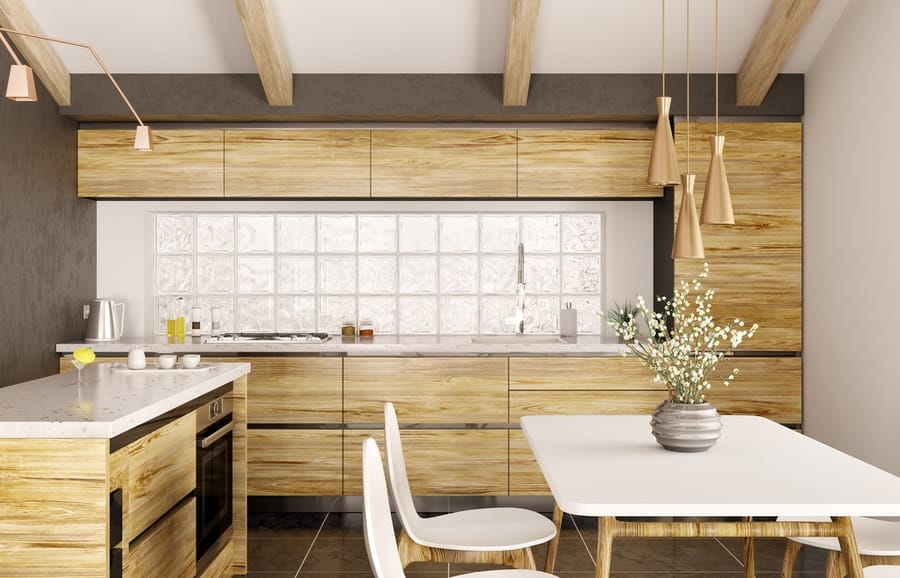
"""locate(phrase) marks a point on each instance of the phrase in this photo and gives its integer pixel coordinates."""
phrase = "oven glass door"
(214, 480)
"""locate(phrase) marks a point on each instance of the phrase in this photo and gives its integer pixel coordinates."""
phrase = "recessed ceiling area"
(416, 36)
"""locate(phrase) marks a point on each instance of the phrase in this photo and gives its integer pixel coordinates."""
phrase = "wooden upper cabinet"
(183, 163)
(444, 163)
(585, 163)
(297, 163)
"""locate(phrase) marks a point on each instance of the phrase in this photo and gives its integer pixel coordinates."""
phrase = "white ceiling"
(416, 36)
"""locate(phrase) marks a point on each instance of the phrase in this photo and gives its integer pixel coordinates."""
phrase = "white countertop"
(390, 345)
(107, 404)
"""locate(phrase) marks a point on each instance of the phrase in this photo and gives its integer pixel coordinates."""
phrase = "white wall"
(851, 245)
(125, 238)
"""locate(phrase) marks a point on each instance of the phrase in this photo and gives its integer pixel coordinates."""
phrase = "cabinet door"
(439, 462)
(585, 163)
(167, 549)
(293, 462)
(434, 390)
(525, 477)
(297, 163)
(161, 472)
(444, 163)
(768, 386)
(183, 163)
(579, 373)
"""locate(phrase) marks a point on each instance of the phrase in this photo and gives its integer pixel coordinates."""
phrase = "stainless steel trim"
(219, 434)
(213, 411)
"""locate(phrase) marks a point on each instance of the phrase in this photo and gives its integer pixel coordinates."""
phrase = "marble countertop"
(108, 403)
(391, 345)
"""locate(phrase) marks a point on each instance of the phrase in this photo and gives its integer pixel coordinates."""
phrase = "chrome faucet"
(520, 291)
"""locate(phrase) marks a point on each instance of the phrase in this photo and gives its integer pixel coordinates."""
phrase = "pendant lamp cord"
(688, 75)
(717, 67)
(664, 47)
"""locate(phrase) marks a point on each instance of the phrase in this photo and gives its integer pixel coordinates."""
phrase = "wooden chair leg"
(868, 560)
(833, 564)
(790, 556)
(749, 554)
(605, 534)
(410, 551)
(553, 546)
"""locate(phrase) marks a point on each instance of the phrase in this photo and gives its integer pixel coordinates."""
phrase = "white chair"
(502, 536)
(882, 572)
(379, 529)
(878, 542)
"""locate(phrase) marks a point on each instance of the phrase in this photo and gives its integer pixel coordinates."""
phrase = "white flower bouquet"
(683, 344)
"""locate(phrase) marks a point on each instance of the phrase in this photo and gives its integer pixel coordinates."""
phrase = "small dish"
(166, 361)
(190, 361)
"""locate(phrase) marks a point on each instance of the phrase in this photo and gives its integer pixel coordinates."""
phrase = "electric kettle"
(105, 322)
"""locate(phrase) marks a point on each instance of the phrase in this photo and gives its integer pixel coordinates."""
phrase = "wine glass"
(79, 365)
(81, 357)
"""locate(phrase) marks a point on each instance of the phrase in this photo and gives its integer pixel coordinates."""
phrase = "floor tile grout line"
(583, 541)
(730, 553)
(316, 537)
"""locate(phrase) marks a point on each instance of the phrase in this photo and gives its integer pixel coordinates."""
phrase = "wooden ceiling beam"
(523, 15)
(774, 41)
(267, 46)
(38, 54)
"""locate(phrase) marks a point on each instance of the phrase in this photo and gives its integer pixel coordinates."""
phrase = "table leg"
(553, 546)
(849, 547)
(749, 554)
(605, 534)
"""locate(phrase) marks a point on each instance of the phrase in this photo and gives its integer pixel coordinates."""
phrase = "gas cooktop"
(269, 338)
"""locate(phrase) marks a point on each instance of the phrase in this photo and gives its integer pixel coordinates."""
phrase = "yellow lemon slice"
(84, 354)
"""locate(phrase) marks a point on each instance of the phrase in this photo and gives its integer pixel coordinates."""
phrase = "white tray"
(153, 368)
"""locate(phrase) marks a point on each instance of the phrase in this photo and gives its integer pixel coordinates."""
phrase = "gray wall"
(47, 238)
(851, 245)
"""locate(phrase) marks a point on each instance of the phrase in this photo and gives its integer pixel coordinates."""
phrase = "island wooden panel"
(239, 475)
(585, 163)
(525, 477)
(162, 470)
(296, 163)
(438, 462)
(444, 163)
(54, 506)
(294, 462)
(434, 390)
(167, 549)
(292, 390)
(183, 163)
(221, 566)
(575, 373)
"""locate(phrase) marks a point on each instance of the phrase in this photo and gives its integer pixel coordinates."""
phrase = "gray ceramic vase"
(686, 427)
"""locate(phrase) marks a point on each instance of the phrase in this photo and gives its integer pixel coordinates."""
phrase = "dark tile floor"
(322, 545)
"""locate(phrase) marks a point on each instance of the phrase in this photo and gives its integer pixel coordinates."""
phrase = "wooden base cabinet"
(294, 462)
(167, 549)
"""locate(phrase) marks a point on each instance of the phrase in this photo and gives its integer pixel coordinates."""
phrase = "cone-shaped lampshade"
(688, 242)
(663, 161)
(717, 198)
(21, 84)
(143, 138)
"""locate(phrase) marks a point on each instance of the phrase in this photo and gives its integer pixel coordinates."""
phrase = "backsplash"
(410, 273)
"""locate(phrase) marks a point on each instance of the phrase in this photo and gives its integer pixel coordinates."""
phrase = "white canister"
(137, 359)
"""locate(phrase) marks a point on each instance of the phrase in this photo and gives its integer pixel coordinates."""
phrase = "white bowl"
(190, 361)
(166, 361)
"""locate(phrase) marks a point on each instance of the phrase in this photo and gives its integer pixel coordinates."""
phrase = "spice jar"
(348, 328)
(366, 328)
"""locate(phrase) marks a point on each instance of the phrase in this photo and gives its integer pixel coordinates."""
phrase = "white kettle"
(106, 322)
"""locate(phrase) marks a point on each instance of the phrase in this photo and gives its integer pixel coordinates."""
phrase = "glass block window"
(409, 273)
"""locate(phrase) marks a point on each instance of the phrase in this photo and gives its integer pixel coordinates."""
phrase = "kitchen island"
(98, 477)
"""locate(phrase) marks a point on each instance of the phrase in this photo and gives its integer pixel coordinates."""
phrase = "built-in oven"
(215, 448)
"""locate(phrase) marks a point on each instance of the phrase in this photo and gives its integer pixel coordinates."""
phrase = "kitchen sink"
(513, 339)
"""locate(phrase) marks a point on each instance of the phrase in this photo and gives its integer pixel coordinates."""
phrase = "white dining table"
(610, 467)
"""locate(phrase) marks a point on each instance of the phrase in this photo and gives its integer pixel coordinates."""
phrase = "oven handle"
(211, 439)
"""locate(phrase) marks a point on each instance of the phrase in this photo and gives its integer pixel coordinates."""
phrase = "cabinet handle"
(213, 438)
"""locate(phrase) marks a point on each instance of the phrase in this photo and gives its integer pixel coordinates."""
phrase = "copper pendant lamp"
(688, 243)
(663, 170)
(717, 197)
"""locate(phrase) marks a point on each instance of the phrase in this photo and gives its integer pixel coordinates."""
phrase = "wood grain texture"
(771, 387)
(771, 47)
(578, 373)
(523, 17)
(568, 402)
(585, 163)
(297, 163)
(292, 462)
(183, 163)
(434, 390)
(54, 507)
(221, 566)
(444, 163)
(525, 477)
(239, 475)
(439, 462)
(39, 54)
(167, 549)
(293, 390)
(264, 37)
(161, 472)
(411, 551)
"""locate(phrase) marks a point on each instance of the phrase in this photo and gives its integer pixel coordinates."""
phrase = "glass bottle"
(181, 311)
(171, 315)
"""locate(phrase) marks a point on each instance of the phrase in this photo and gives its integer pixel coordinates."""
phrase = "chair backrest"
(406, 508)
(378, 529)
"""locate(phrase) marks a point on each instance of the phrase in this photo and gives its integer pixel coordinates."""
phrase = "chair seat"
(874, 572)
(485, 530)
(873, 537)
(522, 574)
